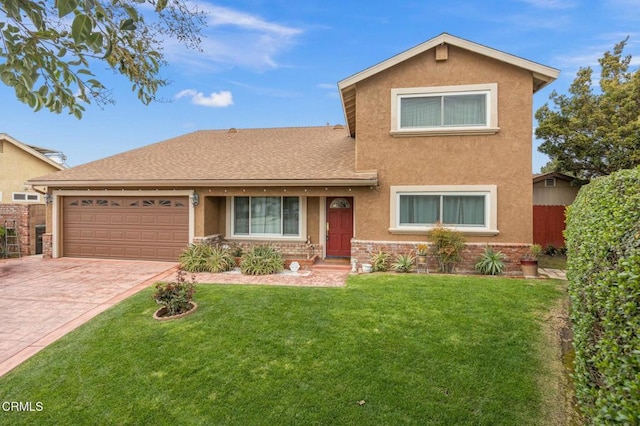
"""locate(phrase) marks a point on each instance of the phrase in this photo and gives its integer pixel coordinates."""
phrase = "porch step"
(332, 265)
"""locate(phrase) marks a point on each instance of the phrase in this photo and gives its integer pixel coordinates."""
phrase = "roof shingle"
(272, 154)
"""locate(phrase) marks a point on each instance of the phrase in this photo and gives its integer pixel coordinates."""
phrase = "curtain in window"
(241, 215)
(420, 112)
(290, 215)
(463, 210)
(419, 209)
(265, 215)
(465, 110)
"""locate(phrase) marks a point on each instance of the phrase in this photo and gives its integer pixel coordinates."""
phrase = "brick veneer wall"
(24, 215)
(363, 250)
(47, 246)
(289, 249)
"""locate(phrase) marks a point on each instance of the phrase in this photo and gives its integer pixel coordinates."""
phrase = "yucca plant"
(194, 258)
(491, 262)
(221, 259)
(380, 261)
(262, 260)
(403, 263)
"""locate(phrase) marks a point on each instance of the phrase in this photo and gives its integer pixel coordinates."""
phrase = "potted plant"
(529, 262)
(423, 251)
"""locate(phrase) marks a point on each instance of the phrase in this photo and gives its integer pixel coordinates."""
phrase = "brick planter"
(362, 250)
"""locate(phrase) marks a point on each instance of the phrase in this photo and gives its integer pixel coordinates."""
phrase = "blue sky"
(276, 63)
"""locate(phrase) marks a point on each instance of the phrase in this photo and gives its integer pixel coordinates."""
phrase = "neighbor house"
(22, 205)
(552, 193)
(439, 133)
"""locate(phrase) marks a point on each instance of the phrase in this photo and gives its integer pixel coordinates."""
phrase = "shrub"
(603, 243)
(175, 296)
(491, 262)
(551, 250)
(262, 260)
(220, 259)
(403, 263)
(447, 245)
(194, 258)
(380, 261)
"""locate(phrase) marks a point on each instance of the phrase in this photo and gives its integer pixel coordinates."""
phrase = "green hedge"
(603, 243)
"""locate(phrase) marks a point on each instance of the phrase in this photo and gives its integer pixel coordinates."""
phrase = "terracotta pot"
(159, 314)
(529, 268)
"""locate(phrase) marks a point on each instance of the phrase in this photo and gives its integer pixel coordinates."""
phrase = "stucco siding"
(502, 159)
(16, 167)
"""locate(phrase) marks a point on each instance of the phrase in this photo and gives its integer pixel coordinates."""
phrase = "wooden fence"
(548, 225)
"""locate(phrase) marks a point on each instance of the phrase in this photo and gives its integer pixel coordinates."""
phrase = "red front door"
(339, 226)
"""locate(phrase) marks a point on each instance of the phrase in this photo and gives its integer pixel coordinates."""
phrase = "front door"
(339, 226)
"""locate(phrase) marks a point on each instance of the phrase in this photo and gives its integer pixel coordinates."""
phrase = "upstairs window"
(444, 110)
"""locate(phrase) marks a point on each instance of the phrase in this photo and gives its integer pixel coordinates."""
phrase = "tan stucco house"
(20, 162)
(22, 206)
(440, 132)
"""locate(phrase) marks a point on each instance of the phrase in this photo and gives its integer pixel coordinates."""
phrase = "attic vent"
(232, 130)
(338, 127)
(442, 52)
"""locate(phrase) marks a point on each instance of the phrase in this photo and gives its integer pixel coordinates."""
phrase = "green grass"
(417, 349)
(553, 262)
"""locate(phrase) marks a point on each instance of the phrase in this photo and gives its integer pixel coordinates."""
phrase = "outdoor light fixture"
(48, 198)
(195, 200)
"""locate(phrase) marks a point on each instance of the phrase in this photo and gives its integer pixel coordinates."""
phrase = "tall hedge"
(603, 243)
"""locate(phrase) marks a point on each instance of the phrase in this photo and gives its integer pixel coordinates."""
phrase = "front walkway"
(42, 300)
(557, 274)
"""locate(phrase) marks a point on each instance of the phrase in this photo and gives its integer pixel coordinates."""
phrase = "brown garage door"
(151, 228)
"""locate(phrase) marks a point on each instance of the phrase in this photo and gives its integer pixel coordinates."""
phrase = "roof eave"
(542, 74)
(30, 150)
(369, 180)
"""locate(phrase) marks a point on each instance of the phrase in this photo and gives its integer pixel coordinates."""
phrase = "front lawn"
(386, 349)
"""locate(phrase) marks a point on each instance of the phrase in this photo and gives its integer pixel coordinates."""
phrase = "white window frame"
(302, 222)
(29, 197)
(490, 90)
(490, 192)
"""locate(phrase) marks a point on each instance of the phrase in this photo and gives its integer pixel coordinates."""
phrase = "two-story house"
(439, 133)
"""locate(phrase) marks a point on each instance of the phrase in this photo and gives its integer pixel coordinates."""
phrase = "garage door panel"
(154, 228)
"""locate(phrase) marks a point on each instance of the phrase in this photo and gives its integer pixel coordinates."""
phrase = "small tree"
(447, 246)
(588, 133)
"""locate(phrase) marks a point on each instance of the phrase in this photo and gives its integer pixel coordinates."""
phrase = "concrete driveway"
(42, 300)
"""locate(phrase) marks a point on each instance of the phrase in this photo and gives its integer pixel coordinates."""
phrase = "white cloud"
(219, 16)
(234, 38)
(215, 100)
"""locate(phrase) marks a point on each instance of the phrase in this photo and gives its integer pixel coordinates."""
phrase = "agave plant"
(403, 263)
(491, 262)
